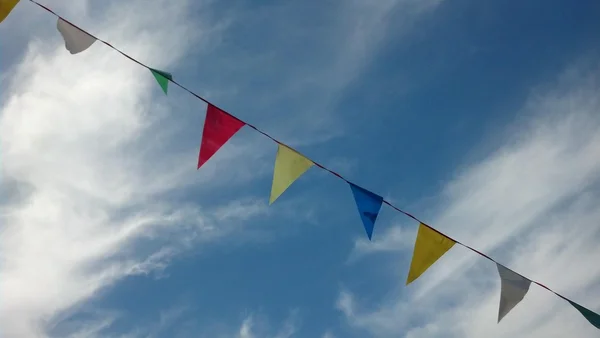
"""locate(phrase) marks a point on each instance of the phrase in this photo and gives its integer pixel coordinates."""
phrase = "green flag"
(162, 78)
(591, 316)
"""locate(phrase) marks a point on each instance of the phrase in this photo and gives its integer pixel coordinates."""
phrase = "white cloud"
(339, 47)
(365, 23)
(246, 328)
(250, 328)
(84, 172)
(328, 334)
(393, 239)
(289, 327)
(532, 204)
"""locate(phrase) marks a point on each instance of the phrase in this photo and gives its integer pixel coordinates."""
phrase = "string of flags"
(220, 127)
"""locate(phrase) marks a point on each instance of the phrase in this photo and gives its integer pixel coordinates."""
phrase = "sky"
(480, 118)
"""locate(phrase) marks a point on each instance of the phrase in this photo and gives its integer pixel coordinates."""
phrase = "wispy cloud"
(252, 328)
(246, 328)
(80, 179)
(393, 239)
(301, 69)
(328, 334)
(531, 204)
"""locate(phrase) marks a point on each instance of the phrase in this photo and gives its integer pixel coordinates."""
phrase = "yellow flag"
(289, 165)
(5, 7)
(429, 247)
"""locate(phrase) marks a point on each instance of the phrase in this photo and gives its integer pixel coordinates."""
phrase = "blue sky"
(481, 118)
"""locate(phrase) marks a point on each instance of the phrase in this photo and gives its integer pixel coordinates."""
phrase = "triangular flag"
(429, 247)
(591, 316)
(219, 127)
(513, 287)
(76, 40)
(368, 205)
(5, 7)
(289, 165)
(162, 78)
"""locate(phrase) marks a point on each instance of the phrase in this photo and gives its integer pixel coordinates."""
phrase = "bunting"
(430, 245)
(513, 288)
(6, 6)
(219, 127)
(289, 166)
(368, 205)
(76, 40)
(162, 78)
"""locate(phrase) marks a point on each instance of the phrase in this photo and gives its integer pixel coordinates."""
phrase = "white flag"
(76, 40)
(513, 287)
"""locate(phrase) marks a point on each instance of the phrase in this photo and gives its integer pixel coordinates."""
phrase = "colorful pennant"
(513, 288)
(289, 166)
(430, 245)
(219, 127)
(76, 40)
(5, 7)
(162, 78)
(368, 205)
(591, 316)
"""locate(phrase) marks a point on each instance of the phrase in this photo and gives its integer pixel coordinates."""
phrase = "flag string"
(281, 143)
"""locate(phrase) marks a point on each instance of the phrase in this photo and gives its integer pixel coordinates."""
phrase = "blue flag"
(368, 205)
(591, 316)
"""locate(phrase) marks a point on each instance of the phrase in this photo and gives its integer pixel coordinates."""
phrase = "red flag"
(219, 127)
